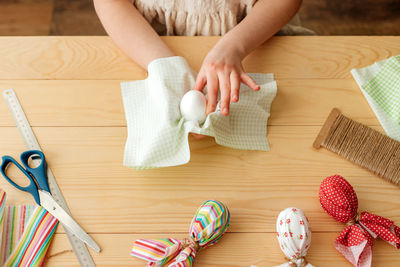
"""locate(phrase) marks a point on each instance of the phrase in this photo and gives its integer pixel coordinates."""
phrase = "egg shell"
(193, 106)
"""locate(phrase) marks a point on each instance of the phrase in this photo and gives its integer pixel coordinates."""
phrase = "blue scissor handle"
(40, 172)
(35, 175)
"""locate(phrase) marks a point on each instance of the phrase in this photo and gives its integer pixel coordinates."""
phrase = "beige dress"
(202, 17)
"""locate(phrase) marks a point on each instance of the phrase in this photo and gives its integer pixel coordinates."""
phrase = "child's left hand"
(222, 68)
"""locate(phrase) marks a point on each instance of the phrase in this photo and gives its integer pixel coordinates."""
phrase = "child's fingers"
(201, 81)
(235, 85)
(246, 79)
(225, 88)
(212, 91)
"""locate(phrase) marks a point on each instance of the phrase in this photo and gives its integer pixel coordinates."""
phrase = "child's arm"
(130, 31)
(222, 66)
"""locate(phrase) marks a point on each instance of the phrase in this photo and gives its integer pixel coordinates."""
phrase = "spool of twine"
(365, 147)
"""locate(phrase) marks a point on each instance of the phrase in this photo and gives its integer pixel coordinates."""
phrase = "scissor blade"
(48, 202)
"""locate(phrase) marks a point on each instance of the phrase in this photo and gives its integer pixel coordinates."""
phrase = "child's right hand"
(222, 69)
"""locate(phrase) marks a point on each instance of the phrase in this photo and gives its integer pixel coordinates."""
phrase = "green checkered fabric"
(378, 82)
(384, 88)
(157, 133)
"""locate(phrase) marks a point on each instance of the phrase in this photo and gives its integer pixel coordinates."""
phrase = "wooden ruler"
(31, 143)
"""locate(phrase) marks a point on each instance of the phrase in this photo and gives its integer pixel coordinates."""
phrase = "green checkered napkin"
(384, 88)
(157, 133)
(380, 84)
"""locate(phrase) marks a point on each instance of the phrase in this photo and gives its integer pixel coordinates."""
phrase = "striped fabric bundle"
(208, 226)
(15, 219)
(26, 232)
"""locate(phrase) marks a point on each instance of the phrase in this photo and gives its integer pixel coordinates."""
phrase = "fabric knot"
(354, 220)
(297, 262)
(190, 242)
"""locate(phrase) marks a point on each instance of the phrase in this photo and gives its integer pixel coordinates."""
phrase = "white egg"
(193, 106)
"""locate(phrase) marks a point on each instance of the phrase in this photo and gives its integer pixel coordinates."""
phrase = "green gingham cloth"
(158, 134)
(380, 84)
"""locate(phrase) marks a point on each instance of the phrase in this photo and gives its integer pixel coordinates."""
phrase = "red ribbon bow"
(338, 199)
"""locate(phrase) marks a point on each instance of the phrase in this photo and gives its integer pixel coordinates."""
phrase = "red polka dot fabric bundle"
(338, 199)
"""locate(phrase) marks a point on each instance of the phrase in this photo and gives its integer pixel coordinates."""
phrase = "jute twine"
(354, 220)
(190, 242)
(294, 261)
(365, 147)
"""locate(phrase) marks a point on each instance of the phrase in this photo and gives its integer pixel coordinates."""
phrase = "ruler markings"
(80, 249)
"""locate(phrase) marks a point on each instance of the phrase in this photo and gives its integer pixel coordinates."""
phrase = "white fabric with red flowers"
(294, 236)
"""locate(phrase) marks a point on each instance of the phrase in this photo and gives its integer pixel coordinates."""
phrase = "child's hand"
(222, 68)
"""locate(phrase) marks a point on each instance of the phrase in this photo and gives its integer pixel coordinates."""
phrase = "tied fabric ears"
(208, 226)
(294, 237)
(338, 199)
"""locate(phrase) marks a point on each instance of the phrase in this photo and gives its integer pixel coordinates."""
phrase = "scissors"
(39, 189)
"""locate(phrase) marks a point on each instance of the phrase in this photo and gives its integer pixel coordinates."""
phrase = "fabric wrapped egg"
(294, 237)
(209, 224)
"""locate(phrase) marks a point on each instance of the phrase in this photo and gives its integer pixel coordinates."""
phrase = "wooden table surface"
(69, 89)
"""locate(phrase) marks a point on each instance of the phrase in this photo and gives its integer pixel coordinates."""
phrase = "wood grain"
(98, 58)
(69, 88)
(99, 103)
(234, 250)
(106, 197)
